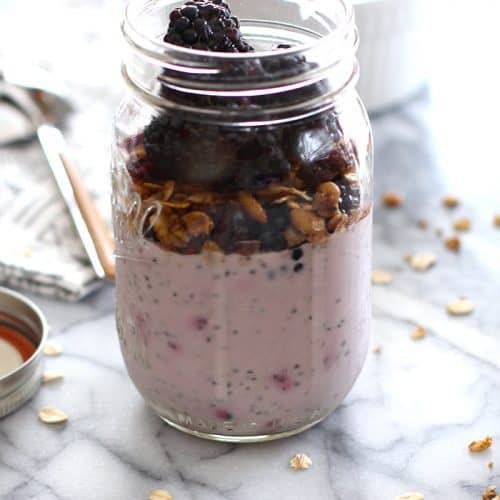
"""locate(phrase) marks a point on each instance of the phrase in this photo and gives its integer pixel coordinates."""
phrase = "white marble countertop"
(406, 424)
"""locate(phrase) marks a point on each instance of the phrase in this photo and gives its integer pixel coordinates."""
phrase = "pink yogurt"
(246, 346)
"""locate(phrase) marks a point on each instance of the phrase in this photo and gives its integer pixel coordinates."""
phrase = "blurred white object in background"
(392, 55)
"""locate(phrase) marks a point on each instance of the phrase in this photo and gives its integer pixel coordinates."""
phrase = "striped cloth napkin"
(39, 248)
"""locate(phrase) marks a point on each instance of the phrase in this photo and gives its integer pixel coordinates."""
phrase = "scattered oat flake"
(462, 224)
(491, 493)
(496, 220)
(50, 415)
(49, 377)
(418, 334)
(460, 307)
(300, 461)
(450, 201)
(481, 444)
(381, 277)
(160, 495)
(52, 348)
(410, 496)
(422, 261)
(453, 244)
(392, 200)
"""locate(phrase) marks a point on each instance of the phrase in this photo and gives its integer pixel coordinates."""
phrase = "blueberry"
(278, 217)
(272, 241)
(279, 166)
(232, 225)
(350, 197)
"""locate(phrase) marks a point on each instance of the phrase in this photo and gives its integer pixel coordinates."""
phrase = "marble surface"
(416, 406)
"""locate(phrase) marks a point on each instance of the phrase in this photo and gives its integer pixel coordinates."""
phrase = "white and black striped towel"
(39, 248)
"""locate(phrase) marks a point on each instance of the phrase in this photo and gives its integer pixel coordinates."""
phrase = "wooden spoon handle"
(97, 226)
(89, 224)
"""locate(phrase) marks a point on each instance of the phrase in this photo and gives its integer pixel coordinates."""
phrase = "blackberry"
(336, 163)
(159, 149)
(206, 25)
(186, 152)
(183, 23)
(261, 159)
(174, 15)
(190, 36)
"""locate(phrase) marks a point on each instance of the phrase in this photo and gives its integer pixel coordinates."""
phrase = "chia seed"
(297, 254)
(298, 267)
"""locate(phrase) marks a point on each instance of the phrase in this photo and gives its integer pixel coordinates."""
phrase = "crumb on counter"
(481, 444)
(451, 201)
(380, 277)
(392, 199)
(300, 461)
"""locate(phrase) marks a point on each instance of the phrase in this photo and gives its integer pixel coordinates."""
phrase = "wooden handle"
(98, 229)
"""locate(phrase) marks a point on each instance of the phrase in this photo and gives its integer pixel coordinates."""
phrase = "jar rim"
(163, 51)
(238, 87)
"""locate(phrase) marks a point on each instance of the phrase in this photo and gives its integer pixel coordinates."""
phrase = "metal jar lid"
(20, 314)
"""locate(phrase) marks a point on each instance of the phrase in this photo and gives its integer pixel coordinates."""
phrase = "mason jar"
(242, 204)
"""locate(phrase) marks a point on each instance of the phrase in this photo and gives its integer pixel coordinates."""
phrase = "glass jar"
(242, 200)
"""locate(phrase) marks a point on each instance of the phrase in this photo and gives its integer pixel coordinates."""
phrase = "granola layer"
(244, 192)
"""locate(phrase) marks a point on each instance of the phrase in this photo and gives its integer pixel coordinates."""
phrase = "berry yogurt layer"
(243, 259)
(247, 345)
